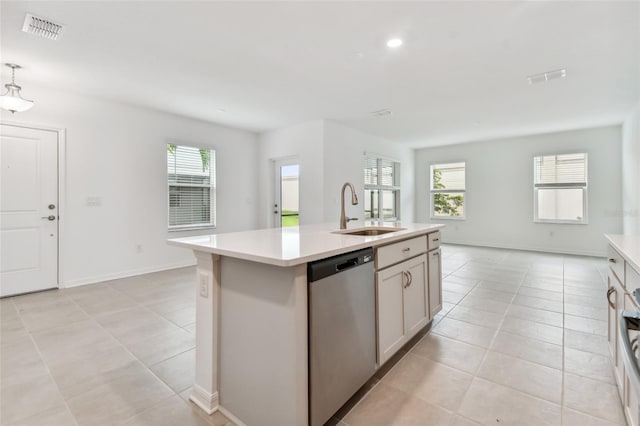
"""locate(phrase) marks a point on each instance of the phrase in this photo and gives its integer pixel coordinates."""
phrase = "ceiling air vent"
(381, 112)
(546, 76)
(41, 27)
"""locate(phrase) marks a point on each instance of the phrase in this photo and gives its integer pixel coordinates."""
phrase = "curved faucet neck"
(354, 201)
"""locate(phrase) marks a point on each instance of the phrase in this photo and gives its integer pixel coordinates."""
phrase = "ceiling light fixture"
(12, 100)
(543, 77)
(394, 43)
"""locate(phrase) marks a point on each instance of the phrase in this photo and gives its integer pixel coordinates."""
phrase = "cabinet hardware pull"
(405, 274)
(612, 260)
(406, 249)
(609, 293)
(410, 278)
(435, 240)
(436, 254)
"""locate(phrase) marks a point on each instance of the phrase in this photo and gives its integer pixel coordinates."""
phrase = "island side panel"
(263, 343)
(206, 381)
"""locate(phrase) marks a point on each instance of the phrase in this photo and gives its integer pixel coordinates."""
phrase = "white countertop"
(297, 245)
(628, 246)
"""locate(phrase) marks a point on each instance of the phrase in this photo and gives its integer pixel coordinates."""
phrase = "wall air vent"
(41, 27)
(546, 76)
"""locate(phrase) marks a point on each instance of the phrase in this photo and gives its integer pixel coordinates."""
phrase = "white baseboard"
(231, 417)
(130, 273)
(205, 400)
(528, 248)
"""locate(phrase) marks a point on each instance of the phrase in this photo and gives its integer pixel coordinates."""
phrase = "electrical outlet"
(204, 285)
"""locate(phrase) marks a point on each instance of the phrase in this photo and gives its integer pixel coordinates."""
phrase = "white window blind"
(560, 188)
(448, 190)
(381, 188)
(191, 179)
(560, 170)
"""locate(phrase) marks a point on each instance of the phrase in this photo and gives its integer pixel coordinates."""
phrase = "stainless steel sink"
(370, 231)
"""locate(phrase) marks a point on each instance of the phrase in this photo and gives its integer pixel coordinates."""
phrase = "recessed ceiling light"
(543, 77)
(381, 112)
(394, 42)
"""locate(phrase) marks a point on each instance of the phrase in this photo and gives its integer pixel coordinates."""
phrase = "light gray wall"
(118, 152)
(344, 155)
(329, 154)
(631, 172)
(499, 198)
(303, 141)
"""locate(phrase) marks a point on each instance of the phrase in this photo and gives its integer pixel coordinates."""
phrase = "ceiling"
(460, 75)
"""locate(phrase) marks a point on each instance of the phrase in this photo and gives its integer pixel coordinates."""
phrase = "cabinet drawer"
(616, 263)
(632, 278)
(433, 240)
(397, 252)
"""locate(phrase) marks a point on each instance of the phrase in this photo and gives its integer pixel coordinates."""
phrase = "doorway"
(29, 209)
(287, 194)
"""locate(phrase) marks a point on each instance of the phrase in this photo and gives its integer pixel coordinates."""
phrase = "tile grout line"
(134, 357)
(46, 365)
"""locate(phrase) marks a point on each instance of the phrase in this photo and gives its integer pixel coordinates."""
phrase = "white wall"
(303, 141)
(118, 152)
(499, 198)
(631, 172)
(330, 154)
(344, 154)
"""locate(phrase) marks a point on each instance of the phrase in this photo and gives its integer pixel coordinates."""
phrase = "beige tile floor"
(521, 340)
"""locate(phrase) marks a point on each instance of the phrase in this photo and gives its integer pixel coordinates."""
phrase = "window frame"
(395, 188)
(212, 189)
(432, 192)
(585, 192)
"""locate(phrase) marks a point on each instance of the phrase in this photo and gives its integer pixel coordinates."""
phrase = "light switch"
(94, 201)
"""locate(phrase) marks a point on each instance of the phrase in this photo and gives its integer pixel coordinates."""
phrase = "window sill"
(448, 218)
(191, 228)
(561, 222)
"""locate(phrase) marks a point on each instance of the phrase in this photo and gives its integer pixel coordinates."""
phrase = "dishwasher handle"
(348, 264)
(630, 320)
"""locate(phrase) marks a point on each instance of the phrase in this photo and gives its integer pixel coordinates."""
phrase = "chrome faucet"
(354, 200)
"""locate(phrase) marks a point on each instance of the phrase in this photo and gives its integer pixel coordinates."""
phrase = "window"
(192, 187)
(560, 188)
(448, 187)
(381, 189)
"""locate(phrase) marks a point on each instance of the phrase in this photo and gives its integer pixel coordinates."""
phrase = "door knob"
(50, 217)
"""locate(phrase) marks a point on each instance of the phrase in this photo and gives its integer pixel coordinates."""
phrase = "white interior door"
(28, 210)
(286, 205)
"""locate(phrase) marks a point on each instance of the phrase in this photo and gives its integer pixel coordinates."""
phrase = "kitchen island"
(252, 311)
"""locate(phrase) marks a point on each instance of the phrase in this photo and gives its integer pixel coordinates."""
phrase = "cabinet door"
(435, 282)
(612, 303)
(416, 309)
(615, 303)
(630, 400)
(390, 313)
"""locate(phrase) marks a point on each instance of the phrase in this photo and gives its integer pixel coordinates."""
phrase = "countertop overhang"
(628, 246)
(297, 245)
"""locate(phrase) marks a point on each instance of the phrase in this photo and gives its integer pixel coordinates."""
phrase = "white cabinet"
(402, 307)
(615, 303)
(435, 281)
(622, 279)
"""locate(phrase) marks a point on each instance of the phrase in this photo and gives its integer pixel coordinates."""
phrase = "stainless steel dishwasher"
(342, 330)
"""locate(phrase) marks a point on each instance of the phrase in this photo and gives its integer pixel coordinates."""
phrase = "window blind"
(560, 170)
(380, 172)
(448, 176)
(191, 179)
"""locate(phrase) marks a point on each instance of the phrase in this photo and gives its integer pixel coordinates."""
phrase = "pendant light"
(12, 100)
